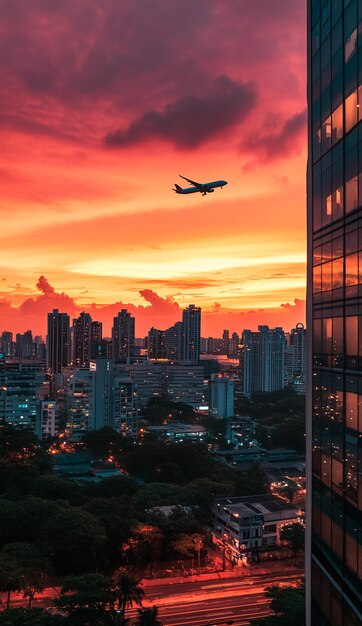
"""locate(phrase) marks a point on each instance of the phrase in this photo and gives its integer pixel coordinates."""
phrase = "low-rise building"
(251, 524)
(179, 432)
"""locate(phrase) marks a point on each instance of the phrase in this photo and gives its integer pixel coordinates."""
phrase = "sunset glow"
(103, 106)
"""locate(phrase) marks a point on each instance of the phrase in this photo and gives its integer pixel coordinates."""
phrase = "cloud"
(191, 120)
(287, 140)
(157, 311)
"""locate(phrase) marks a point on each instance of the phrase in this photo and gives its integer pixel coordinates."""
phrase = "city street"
(214, 602)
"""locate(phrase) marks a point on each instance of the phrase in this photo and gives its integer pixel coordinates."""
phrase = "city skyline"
(88, 162)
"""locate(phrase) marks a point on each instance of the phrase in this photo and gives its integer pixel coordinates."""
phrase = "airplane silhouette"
(202, 188)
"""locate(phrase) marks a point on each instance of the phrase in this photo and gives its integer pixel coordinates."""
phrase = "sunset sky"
(103, 104)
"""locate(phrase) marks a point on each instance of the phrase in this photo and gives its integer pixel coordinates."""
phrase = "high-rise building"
(295, 358)
(262, 360)
(97, 345)
(221, 396)
(191, 323)
(58, 341)
(334, 423)
(20, 388)
(225, 341)
(82, 336)
(173, 342)
(123, 337)
(156, 348)
(7, 346)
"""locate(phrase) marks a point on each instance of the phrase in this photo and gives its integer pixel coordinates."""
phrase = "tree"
(148, 617)
(288, 605)
(149, 540)
(87, 599)
(28, 566)
(293, 534)
(31, 617)
(188, 545)
(21, 445)
(127, 591)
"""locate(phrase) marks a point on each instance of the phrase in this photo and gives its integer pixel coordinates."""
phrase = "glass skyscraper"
(334, 558)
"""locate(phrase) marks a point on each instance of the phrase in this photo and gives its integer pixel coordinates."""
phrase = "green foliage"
(128, 591)
(23, 568)
(148, 617)
(20, 445)
(157, 411)
(86, 599)
(103, 443)
(288, 604)
(294, 534)
(31, 617)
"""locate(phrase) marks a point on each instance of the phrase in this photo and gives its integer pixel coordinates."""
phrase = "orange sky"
(103, 105)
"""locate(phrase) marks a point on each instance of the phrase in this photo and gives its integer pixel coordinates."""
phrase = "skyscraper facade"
(262, 360)
(82, 336)
(334, 426)
(191, 323)
(123, 337)
(58, 341)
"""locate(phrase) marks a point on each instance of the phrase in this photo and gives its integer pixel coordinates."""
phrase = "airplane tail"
(177, 188)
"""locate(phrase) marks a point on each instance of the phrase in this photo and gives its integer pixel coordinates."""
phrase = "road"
(217, 602)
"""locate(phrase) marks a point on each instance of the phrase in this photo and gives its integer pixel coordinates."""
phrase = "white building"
(221, 396)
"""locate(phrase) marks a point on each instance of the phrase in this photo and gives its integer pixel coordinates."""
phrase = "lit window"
(351, 111)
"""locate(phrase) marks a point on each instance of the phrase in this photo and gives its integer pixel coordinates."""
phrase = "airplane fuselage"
(202, 188)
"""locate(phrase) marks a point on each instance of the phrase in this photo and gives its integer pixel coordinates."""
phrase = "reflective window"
(337, 124)
(350, 46)
(351, 111)
(352, 194)
(352, 269)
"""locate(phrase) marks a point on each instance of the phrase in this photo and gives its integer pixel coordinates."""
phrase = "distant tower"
(123, 337)
(156, 344)
(173, 342)
(225, 342)
(191, 320)
(263, 360)
(58, 341)
(82, 331)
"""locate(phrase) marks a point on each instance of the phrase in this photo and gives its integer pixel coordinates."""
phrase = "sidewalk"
(260, 569)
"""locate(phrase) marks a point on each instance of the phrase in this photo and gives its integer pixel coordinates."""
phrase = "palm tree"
(128, 592)
(148, 617)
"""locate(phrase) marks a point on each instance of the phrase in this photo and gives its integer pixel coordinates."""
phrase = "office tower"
(50, 418)
(221, 396)
(7, 347)
(20, 396)
(102, 370)
(97, 345)
(82, 337)
(156, 348)
(79, 401)
(225, 341)
(24, 348)
(295, 358)
(125, 416)
(123, 337)
(173, 342)
(263, 360)
(185, 383)
(234, 345)
(191, 322)
(58, 341)
(334, 423)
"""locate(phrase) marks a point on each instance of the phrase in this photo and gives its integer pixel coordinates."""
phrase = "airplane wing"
(192, 182)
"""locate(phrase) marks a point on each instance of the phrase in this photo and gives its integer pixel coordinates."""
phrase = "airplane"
(203, 188)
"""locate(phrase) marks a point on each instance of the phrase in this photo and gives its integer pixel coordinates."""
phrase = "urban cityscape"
(180, 376)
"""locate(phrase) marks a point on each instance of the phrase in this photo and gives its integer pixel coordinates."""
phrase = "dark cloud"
(191, 120)
(286, 140)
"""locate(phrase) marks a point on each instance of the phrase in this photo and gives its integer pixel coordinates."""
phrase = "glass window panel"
(351, 111)
(317, 142)
(360, 269)
(350, 46)
(327, 251)
(351, 552)
(338, 336)
(317, 279)
(337, 124)
(352, 410)
(317, 336)
(327, 134)
(359, 104)
(352, 241)
(327, 335)
(352, 269)
(352, 194)
(337, 247)
(337, 474)
(337, 203)
(352, 335)
(317, 255)
(327, 276)
(337, 273)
